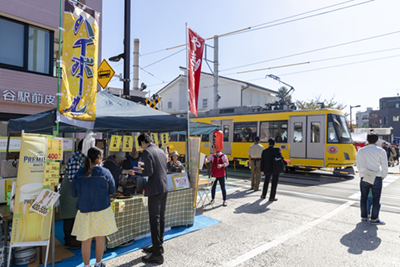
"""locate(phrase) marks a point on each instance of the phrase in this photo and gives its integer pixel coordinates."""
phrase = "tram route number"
(332, 159)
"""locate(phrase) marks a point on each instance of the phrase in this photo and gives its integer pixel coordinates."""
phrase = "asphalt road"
(315, 222)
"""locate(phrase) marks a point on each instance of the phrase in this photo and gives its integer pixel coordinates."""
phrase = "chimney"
(136, 55)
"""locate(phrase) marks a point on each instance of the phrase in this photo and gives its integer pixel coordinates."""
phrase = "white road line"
(387, 181)
(279, 240)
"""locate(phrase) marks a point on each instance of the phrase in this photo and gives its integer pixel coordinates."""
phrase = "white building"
(233, 93)
(362, 118)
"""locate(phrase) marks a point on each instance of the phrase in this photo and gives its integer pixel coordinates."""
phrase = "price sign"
(137, 145)
(44, 202)
(54, 148)
(127, 143)
(115, 142)
(155, 138)
(180, 181)
(165, 139)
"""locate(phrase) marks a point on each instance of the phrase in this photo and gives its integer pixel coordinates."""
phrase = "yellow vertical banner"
(155, 138)
(29, 226)
(165, 139)
(79, 66)
(137, 145)
(115, 143)
(127, 143)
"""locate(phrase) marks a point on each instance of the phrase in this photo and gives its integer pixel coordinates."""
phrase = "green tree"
(282, 94)
(313, 104)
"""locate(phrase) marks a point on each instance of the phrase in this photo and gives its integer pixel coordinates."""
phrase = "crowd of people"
(85, 203)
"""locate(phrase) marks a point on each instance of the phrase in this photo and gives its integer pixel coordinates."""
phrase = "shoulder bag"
(278, 165)
(369, 176)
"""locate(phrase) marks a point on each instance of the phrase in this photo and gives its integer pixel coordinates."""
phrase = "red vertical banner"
(195, 50)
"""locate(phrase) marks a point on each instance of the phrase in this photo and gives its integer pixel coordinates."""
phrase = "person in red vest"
(219, 163)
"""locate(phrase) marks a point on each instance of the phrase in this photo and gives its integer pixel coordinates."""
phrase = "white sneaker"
(224, 204)
(212, 202)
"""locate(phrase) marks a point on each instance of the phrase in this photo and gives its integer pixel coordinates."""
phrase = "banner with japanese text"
(29, 226)
(195, 55)
(79, 66)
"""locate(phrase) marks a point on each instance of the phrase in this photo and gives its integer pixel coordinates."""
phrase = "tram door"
(227, 130)
(307, 136)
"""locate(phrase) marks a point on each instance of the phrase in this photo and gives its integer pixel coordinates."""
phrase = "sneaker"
(377, 222)
(101, 265)
(212, 202)
(364, 220)
(225, 204)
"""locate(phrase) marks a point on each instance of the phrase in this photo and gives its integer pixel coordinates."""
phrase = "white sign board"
(44, 202)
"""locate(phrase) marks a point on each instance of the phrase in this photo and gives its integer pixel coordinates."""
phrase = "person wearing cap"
(174, 165)
(254, 153)
(113, 164)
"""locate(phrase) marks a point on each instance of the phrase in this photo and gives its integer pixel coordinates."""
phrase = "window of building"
(244, 131)
(277, 130)
(250, 98)
(258, 100)
(397, 105)
(396, 118)
(265, 100)
(374, 116)
(26, 48)
(385, 121)
(365, 117)
(205, 102)
(170, 105)
(315, 132)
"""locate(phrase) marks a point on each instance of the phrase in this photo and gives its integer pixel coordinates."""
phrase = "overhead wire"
(314, 50)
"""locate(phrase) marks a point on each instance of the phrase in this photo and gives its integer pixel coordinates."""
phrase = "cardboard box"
(7, 169)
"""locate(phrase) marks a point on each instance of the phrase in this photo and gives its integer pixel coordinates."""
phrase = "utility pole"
(216, 95)
(127, 46)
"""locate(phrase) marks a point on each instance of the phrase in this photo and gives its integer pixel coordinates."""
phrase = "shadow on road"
(259, 206)
(362, 238)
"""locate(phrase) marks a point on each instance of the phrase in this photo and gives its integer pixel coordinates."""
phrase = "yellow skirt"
(91, 224)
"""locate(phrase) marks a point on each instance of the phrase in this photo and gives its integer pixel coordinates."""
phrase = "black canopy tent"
(112, 114)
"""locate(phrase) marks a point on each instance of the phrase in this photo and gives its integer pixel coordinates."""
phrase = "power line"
(314, 50)
(320, 60)
(322, 13)
(346, 64)
(164, 58)
(248, 29)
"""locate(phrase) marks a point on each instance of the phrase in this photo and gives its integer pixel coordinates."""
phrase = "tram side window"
(244, 131)
(315, 132)
(182, 138)
(277, 130)
(298, 132)
(226, 133)
(205, 138)
(173, 137)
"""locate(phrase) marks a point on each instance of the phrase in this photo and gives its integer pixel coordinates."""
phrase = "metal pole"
(187, 102)
(351, 121)
(215, 72)
(127, 45)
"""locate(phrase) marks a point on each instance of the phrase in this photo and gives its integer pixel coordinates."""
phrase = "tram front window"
(337, 130)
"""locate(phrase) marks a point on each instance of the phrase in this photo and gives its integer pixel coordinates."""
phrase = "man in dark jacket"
(156, 190)
(267, 158)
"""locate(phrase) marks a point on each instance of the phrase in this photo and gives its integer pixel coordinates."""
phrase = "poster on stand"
(29, 226)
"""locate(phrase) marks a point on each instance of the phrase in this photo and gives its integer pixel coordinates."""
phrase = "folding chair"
(204, 190)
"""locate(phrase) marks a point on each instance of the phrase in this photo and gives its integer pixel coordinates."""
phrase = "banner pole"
(188, 104)
(59, 66)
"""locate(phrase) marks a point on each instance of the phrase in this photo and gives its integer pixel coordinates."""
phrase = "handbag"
(369, 176)
(278, 164)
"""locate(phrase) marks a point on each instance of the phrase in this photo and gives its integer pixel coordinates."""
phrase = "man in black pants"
(156, 190)
(266, 167)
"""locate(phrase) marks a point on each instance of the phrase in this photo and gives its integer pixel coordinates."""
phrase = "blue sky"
(161, 24)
